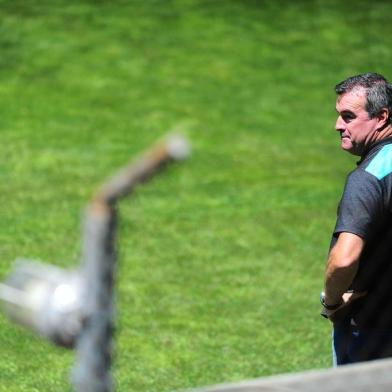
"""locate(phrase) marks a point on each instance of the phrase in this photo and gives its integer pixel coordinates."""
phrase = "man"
(357, 296)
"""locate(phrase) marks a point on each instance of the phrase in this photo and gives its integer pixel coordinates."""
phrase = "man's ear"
(383, 119)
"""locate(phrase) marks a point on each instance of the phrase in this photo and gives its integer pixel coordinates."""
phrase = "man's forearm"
(342, 266)
(338, 279)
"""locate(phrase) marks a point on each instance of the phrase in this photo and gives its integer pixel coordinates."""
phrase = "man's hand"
(348, 297)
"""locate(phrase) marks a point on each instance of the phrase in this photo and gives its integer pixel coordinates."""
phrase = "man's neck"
(377, 137)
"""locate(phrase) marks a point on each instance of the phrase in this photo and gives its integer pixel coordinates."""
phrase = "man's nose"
(339, 125)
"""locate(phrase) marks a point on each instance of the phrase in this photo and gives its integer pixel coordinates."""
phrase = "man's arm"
(341, 267)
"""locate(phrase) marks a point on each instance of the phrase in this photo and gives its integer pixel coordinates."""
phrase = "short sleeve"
(361, 208)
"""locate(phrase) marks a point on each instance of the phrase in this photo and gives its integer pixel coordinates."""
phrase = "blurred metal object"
(45, 299)
(171, 148)
(94, 347)
(73, 308)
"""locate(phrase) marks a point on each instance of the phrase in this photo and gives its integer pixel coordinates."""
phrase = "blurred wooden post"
(95, 344)
(374, 376)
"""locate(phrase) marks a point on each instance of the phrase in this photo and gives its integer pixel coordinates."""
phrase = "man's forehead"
(352, 100)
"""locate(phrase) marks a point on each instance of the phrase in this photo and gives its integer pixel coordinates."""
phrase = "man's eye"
(347, 118)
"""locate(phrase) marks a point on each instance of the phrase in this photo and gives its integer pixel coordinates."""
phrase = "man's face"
(356, 129)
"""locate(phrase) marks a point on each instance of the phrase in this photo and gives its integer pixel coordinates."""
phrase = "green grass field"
(221, 258)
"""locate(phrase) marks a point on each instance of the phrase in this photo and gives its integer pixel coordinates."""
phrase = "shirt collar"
(375, 145)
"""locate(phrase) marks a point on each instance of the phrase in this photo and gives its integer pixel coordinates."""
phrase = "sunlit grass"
(221, 258)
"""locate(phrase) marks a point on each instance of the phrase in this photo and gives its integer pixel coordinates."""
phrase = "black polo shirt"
(366, 210)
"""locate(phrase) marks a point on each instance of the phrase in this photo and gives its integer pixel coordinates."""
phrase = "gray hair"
(377, 88)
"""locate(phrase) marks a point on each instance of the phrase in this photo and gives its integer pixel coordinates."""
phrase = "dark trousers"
(352, 344)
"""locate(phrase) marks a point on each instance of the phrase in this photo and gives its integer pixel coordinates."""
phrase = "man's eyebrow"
(346, 111)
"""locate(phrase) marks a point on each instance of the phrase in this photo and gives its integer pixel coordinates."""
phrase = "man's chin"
(346, 144)
(348, 147)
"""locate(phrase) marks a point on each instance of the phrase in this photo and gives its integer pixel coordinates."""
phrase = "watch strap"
(327, 306)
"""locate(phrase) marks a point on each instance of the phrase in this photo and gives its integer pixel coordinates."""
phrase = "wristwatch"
(326, 306)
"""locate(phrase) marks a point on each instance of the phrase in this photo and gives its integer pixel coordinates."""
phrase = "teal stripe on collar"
(381, 165)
